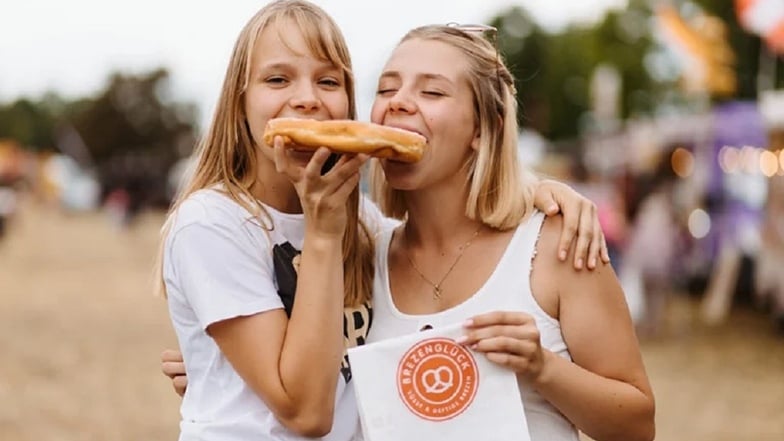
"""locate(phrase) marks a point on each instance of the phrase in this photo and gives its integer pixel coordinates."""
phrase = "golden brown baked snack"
(347, 136)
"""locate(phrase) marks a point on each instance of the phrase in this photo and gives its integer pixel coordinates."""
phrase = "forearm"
(605, 409)
(313, 345)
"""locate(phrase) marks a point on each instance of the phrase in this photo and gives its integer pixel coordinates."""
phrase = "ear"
(475, 140)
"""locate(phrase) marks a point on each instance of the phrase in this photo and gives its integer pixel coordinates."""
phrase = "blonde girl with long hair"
(474, 250)
(261, 325)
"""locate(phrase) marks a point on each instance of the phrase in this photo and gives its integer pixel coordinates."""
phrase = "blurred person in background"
(8, 204)
(770, 262)
(12, 173)
(652, 246)
(117, 206)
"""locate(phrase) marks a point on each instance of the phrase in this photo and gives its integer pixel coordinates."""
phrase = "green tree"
(553, 71)
(524, 46)
(31, 123)
(129, 134)
(134, 134)
(131, 116)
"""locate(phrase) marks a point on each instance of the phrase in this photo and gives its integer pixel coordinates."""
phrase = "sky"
(70, 47)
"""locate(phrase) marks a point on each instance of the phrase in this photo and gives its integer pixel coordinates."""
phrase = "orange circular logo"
(437, 379)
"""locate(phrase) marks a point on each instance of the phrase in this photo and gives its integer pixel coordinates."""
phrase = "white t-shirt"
(220, 263)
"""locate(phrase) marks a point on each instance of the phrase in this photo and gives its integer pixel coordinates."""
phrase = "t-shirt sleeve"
(221, 273)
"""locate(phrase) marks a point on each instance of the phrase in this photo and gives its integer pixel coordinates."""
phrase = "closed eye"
(276, 80)
(433, 93)
(386, 91)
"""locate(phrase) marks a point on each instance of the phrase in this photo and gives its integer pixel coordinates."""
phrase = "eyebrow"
(426, 76)
(276, 66)
(286, 65)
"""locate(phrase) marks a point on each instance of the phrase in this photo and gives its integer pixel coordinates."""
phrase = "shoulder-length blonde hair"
(227, 155)
(500, 189)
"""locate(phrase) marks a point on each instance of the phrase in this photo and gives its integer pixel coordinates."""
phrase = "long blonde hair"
(228, 156)
(500, 189)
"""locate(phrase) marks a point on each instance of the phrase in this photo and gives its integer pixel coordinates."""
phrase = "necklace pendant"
(436, 293)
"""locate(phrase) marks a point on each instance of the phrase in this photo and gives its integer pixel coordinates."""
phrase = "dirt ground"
(80, 336)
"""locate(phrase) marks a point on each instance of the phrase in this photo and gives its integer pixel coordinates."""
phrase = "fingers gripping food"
(347, 136)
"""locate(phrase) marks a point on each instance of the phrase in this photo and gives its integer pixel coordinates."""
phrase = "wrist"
(321, 241)
(549, 359)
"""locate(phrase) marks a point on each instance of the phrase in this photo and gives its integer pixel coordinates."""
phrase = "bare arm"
(276, 356)
(605, 391)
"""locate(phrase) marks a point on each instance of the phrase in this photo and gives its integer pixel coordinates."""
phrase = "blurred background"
(669, 115)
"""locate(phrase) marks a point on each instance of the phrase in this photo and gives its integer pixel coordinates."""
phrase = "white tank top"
(508, 288)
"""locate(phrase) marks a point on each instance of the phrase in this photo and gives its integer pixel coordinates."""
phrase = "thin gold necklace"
(437, 286)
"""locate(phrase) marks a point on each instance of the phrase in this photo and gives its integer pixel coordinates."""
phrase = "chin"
(399, 175)
(402, 183)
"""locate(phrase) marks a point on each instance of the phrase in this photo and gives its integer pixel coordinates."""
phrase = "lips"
(406, 128)
(397, 162)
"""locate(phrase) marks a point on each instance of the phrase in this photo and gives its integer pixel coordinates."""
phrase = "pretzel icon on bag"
(437, 379)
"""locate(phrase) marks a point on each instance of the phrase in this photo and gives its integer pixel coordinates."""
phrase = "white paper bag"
(426, 387)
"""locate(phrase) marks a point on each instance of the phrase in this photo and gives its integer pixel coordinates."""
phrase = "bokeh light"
(729, 159)
(682, 162)
(768, 163)
(749, 159)
(699, 223)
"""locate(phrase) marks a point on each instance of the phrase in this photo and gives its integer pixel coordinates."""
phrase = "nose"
(305, 99)
(401, 102)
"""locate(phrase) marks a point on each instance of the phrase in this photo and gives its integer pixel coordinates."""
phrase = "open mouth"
(397, 162)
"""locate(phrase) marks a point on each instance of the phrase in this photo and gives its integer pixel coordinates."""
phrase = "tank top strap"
(530, 236)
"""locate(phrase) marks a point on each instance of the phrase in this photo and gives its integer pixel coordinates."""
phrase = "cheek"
(256, 120)
(337, 105)
(258, 106)
(253, 117)
(459, 124)
(377, 111)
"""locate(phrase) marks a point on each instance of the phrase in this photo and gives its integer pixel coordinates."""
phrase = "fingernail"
(473, 347)
(468, 323)
(562, 255)
(462, 339)
(553, 208)
(593, 262)
(579, 263)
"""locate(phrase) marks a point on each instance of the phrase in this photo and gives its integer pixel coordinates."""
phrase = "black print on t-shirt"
(285, 259)
(356, 324)
(356, 320)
